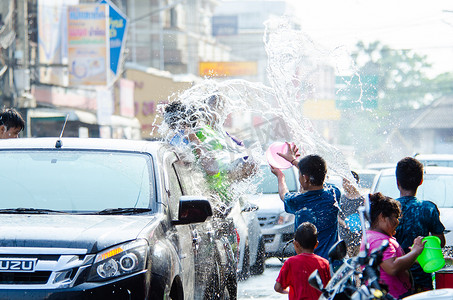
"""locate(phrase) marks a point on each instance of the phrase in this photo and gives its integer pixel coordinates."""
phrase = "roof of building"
(438, 115)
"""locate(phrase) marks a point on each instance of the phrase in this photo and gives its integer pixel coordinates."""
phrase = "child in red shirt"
(296, 270)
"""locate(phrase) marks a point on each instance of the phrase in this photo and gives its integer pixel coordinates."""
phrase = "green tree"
(402, 79)
(402, 86)
(441, 85)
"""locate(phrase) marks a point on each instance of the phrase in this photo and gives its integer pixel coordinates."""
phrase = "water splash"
(293, 59)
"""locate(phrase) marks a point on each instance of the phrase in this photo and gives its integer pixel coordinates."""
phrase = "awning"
(120, 121)
(81, 116)
(54, 114)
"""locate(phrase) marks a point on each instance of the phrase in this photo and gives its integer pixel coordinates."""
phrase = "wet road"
(262, 286)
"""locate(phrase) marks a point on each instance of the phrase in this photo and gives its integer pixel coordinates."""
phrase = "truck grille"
(38, 277)
(268, 238)
(53, 268)
(286, 237)
(268, 220)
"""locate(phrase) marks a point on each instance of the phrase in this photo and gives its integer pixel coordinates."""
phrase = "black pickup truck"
(108, 219)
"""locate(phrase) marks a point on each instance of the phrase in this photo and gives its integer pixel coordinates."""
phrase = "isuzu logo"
(17, 264)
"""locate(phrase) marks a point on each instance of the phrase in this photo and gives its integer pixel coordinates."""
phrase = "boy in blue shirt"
(419, 217)
(316, 203)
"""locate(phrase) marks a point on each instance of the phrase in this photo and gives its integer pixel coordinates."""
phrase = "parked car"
(366, 179)
(380, 166)
(116, 219)
(440, 160)
(277, 226)
(437, 187)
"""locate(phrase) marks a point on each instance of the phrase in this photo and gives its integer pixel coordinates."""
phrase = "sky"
(422, 25)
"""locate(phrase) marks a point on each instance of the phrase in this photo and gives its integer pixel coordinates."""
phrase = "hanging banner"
(88, 44)
(53, 40)
(127, 98)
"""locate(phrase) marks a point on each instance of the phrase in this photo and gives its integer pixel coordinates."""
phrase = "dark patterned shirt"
(419, 218)
(319, 207)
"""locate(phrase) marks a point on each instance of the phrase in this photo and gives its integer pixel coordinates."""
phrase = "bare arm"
(278, 288)
(282, 187)
(393, 266)
(292, 154)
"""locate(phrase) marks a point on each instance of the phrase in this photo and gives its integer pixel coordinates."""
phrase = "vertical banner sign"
(53, 39)
(127, 98)
(117, 28)
(88, 44)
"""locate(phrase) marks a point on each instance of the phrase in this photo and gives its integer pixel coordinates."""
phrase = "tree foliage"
(402, 74)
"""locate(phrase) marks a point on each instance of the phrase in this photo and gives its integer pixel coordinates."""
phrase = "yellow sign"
(240, 68)
(321, 110)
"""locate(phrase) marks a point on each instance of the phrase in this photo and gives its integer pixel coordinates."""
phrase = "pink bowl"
(276, 160)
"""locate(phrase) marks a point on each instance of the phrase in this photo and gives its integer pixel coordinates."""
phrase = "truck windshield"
(75, 181)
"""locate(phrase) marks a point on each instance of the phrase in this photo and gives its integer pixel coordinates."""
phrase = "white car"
(437, 187)
(440, 160)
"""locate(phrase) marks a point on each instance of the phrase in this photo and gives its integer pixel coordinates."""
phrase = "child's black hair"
(409, 173)
(380, 204)
(356, 176)
(314, 166)
(306, 235)
(11, 118)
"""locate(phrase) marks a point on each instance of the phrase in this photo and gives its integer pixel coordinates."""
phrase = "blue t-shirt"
(320, 208)
(420, 218)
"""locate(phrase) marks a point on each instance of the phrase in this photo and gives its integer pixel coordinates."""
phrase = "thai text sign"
(88, 44)
(117, 33)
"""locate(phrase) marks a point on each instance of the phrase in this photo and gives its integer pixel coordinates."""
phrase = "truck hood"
(91, 232)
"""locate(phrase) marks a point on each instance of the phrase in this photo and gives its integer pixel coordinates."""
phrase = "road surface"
(262, 286)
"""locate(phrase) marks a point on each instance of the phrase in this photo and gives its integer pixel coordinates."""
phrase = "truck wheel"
(212, 291)
(258, 267)
(232, 286)
(245, 271)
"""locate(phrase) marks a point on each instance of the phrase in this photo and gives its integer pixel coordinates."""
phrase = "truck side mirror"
(193, 209)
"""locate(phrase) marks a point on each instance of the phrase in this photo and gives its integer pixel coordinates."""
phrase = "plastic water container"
(276, 160)
(431, 259)
(353, 222)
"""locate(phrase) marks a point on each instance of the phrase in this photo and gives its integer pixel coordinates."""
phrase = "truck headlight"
(121, 260)
(285, 218)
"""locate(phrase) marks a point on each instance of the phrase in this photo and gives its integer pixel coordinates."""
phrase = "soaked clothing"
(349, 213)
(295, 272)
(320, 208)
(399, 284)
(419, 218)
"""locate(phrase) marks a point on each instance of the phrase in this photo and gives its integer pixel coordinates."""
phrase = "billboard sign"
(88, 44)
(117, 32)
(53, 39)
(228, 68)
